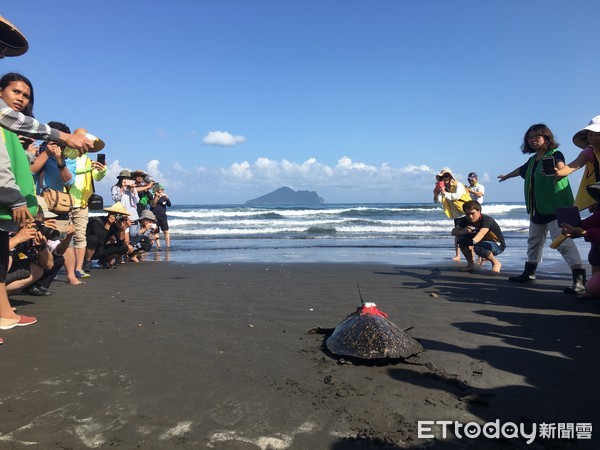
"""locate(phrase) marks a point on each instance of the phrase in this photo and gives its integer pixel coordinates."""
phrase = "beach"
(225, 356)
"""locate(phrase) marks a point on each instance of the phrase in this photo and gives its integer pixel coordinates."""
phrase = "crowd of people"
(547, 192)
(45, 223)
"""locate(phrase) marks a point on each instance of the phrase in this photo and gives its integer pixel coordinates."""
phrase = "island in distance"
(287, 196)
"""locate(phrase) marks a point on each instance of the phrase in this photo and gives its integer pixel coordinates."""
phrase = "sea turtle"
(368, 334)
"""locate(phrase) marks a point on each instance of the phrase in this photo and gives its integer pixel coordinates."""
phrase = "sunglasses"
(446, 175)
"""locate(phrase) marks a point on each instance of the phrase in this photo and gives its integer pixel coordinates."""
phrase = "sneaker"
(84, 274)
(87, 266)
(23, 322)
(37, 291)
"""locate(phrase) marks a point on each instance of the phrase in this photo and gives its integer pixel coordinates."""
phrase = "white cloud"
(344, 181)
(222, 138)
(179, 168)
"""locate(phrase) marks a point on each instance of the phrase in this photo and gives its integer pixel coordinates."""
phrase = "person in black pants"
(106, 237)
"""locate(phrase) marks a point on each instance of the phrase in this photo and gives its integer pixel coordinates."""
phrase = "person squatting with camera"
(480, 234)
(140, 235)
(106, 237)
(35, 261)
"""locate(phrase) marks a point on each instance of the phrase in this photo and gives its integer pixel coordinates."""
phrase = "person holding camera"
(30, 255)
(14, 184)
(55, 171)
(100, 233)
(451, 194)
(58, 243)
(543, 195)
(158, 206)
(140, 235)
(125, 192)
(479, 234)
(87, 171)
(143, 185)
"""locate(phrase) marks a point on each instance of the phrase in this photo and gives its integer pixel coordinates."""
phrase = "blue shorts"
(484, 248)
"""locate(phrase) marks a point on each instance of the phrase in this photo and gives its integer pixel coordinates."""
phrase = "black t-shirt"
(95, 227)
(485, 222)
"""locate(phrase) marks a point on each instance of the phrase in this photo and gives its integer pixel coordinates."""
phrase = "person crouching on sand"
(451, 194)
(481, 234)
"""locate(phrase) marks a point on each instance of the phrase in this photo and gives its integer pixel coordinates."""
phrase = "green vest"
(19, 165)
(548, 193)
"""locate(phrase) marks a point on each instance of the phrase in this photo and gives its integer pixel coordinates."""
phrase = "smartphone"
(548, 166)
(101, 158)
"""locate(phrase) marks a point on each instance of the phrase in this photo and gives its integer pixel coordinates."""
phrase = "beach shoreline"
(219, 356)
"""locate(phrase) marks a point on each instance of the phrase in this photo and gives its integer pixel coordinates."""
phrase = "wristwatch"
(61, 166)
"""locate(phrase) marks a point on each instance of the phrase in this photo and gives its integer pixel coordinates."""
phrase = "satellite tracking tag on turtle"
(368, 334)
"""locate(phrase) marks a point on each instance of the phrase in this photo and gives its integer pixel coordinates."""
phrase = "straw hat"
(117, 208)
(580, 138)
(442, 172)
(148, 215)
(12, 38)
(44, 207)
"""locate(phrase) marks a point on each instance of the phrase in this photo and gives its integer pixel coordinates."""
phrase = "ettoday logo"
(508, 430)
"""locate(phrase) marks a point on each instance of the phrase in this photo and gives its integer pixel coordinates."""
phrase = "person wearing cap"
(543, 195)
(452, 195)
(139, 235)
(99, 234)
(158, 206)
(124, 191)
(587, 139)
(476, 190)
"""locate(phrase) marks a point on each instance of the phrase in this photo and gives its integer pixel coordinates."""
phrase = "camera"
(49, 233)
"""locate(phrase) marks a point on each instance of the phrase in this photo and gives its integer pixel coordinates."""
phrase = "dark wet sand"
(164, 355)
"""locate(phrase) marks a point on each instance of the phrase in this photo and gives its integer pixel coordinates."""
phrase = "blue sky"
(362, 101)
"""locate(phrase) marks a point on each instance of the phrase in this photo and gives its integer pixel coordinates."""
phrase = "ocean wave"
(500, 208)
(321, 230)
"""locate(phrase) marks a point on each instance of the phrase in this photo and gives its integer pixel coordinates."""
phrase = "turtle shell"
(368, 334)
